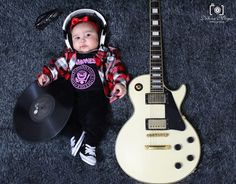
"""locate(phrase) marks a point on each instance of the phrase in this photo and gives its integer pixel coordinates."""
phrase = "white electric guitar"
(157, 144)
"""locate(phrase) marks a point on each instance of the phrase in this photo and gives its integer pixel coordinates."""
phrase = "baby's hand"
(43, 80)
(119, 90)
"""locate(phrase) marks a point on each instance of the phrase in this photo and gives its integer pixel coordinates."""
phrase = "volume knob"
(138, 87)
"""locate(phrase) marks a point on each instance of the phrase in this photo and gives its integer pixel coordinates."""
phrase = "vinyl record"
(42, 112)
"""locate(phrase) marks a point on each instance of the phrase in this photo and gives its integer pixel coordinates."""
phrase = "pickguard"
(174, 119)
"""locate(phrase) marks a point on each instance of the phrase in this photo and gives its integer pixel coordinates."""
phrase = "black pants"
(90, 114)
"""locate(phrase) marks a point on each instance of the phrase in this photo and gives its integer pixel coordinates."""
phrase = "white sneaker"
(88, 154)
(75, 143)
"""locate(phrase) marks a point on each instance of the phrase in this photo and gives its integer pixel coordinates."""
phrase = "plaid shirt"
(109, 66)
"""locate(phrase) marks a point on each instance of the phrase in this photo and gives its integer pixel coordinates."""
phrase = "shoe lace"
(90, 150)
(72, 141)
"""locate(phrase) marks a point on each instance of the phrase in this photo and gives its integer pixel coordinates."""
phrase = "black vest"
(84, 75)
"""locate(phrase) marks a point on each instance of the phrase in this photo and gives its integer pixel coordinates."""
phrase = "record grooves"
(42, 112)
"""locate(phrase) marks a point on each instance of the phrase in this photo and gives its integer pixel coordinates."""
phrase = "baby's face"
(84, 37)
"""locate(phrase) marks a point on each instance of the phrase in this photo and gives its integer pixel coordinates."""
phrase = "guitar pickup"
(156, 124)
(155, 98)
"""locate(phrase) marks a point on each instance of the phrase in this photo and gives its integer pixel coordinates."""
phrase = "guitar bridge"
(156, 124)
(157, 147)
(158, 135)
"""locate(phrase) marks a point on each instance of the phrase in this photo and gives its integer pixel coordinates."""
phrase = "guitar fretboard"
(156, 62)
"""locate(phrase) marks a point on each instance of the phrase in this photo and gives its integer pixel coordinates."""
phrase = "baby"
(96, 74)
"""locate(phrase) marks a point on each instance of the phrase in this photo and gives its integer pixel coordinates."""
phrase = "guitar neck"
(156, 55)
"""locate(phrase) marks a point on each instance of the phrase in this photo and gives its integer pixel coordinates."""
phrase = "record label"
(42, 108)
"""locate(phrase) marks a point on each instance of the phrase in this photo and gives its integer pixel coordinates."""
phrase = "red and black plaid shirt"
(110, 68)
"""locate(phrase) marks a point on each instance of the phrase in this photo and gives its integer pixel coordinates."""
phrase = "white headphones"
(80, 13)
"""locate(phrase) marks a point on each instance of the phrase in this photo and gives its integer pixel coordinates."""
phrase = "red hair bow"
(75, 21)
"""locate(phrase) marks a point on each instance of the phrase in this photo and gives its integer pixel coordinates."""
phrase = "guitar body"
(157, 144)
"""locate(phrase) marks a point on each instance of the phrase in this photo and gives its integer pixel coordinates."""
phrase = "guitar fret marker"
(156, 67)
(154, 10)
(156, 74)
(155, 43)
(155, 33)
(155, 56)
(155, 22)
(156, 81)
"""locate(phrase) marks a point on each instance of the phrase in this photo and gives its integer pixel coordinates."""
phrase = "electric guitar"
(157, 144)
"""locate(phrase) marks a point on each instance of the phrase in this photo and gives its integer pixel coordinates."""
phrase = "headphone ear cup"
(68, 37)
(68, 44)
(102, 37)
(68, 40)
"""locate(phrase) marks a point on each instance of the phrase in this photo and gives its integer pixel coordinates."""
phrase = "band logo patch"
(82, 77)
